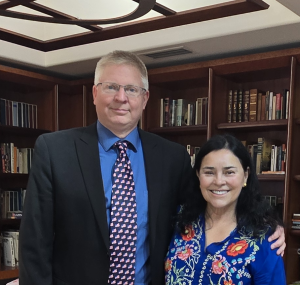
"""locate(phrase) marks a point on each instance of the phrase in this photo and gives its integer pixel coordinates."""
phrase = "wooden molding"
(96, 34)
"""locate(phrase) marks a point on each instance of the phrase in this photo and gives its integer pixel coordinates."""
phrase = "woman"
(222, 230)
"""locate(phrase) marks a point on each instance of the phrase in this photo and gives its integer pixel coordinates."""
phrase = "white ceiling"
(274, 28)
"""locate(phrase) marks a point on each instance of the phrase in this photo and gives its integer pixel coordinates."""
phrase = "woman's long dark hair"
(252, 212)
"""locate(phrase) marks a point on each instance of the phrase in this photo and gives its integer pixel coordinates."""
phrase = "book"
(270, 110)
(234, 106)
(259, 106)
(263, 107)
(246, 105)
(182, 112)
(161, 117)
(172, 112)
(278, 106)
(229, 107)
(14, 234)
(253, 105)
(166, 121)
(8, 251)
(198, 115)
(204, 110)
(259, 155)
(239, 106)
(191, 115)
(2, 111)
(14, 214)
(266, 150)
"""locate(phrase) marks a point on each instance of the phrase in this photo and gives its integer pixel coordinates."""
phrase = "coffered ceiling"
(68, 37)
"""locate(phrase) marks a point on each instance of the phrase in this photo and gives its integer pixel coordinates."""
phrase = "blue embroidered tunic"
(239, 259)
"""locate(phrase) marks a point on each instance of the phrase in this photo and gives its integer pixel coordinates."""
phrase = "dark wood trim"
(161, 9)
(297, 177)
(58, 15)
(182, 18)
(255, 125)
(22, 131)
(271, 177)
(183, 130)
(8, 272)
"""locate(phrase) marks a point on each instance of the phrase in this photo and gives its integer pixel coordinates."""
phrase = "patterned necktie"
(123, 225)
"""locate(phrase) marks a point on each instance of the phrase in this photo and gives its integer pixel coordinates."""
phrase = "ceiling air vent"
(167, 53)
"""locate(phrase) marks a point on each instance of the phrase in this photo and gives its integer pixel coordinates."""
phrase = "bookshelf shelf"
(10, 222)
(183, 130)
(273, 124)
(8, 272)
(13, 180)
(295, 232)
(271, 177)
(297, 177)
(22, 131)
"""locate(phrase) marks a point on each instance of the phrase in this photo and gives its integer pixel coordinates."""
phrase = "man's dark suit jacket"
(64, 236)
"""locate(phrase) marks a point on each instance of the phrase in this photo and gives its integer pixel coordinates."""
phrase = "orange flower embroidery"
(185, 254)
(228, 282)
(189, 233)
(237, 248)
(217, 266)
(168, 264)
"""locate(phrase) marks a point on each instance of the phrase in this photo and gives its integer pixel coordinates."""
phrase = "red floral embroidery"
(168, 264)
(218, 267)
(237, 248)
(189, 233)
(185, 254)
(228, 282)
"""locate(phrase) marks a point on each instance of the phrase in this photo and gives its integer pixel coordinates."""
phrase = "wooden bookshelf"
(270, 71)
(32, 89)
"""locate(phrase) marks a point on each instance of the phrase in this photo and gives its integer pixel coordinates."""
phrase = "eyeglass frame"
(143, 90)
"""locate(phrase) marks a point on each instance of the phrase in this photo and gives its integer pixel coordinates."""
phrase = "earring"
(245, 184)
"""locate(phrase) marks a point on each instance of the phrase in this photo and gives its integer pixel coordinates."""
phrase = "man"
(67, 233)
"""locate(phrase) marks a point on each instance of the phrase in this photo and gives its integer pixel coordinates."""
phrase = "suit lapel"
(88, 156)
(153, 155)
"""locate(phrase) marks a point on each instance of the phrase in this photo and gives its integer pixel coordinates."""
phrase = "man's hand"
(280, 243)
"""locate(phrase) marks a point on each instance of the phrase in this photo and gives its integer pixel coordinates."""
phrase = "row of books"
(182, 112)
(256, 105)
(14, 159)
(267, 157)
(10, 245)
(296, 221)
(18, 114)
(12, 202)
(192, 151)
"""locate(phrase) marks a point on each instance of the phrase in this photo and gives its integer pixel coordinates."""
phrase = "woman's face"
(221, 177)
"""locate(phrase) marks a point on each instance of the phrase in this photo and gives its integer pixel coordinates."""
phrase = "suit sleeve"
(36, 230)
(271, 268)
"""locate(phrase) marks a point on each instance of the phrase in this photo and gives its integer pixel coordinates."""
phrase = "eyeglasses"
(111, 88)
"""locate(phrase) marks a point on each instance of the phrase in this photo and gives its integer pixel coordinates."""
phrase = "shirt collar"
(107, 139)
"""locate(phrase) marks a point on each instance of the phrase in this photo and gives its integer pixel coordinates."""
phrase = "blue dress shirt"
(108, 156)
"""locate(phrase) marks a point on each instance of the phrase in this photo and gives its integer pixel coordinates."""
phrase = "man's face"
(119, 113)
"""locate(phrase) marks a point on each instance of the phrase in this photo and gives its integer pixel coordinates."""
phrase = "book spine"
(258, 114)
(234, 106)
(278, 106)
(253, 105)
(229, 107)
(239, 106)
(246, 104)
